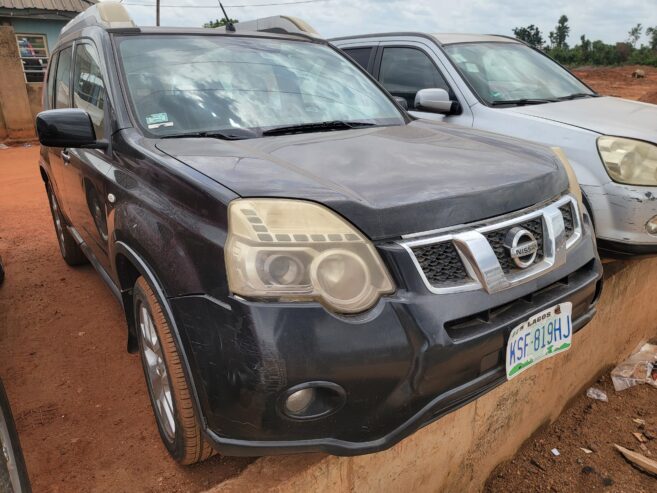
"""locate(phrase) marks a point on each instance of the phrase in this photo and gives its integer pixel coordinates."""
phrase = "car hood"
(388, 181)
(604, 115)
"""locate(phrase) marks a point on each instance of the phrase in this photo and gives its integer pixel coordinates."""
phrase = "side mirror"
(401, 102)
(67, 128)
(435, 101)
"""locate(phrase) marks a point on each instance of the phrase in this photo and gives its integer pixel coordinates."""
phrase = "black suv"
(303, 266)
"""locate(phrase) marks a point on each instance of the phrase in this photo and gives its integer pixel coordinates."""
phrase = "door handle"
(66, 157)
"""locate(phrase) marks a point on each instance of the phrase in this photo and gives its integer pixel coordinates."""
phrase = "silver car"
(502, 85)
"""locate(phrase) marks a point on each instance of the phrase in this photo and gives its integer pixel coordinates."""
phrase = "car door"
(89, 167)
(60, 97)
(405, 67)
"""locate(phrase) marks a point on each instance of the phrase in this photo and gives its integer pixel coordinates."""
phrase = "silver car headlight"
(293, 250)
(629, 161)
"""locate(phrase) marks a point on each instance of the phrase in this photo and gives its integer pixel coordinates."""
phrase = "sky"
(608, 20)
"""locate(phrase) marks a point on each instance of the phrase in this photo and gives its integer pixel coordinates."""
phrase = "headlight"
(573, 184)
(629, 161)
(292, 250)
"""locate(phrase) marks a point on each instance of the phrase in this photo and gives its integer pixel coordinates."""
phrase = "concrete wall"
(34, 94)
(14, 101)
(458, 452)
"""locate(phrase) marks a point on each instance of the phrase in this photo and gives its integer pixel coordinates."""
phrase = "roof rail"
(110, 15)
(281, 24)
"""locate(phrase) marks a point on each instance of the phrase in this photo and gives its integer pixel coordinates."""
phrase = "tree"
(634, 35)
(530, 35)
(219, 23)
(560, 34)
(652, 33)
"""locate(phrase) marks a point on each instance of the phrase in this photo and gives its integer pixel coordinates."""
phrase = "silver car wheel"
(157, 373)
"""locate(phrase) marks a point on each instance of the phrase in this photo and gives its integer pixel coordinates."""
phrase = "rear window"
(63, 79)
(360, 55)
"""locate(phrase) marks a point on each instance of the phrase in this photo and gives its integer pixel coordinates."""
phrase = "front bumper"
(411, 359)
(620, 213)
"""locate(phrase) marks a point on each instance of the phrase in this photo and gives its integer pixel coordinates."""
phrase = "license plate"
(542, 336)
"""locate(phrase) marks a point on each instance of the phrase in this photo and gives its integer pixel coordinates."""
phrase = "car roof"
(440, 38)
(114, 18)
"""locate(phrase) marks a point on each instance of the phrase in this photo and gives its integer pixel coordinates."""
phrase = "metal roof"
(55, 5)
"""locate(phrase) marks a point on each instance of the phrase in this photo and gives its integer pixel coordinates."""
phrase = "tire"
(167, 384)
(13, 478)
(71, 251)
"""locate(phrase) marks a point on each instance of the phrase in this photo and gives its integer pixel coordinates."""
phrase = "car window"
(360, 55)
(89, 90)
(512, 71)
(63, 79)
(404, 71)
(49, 90)
(196, 83)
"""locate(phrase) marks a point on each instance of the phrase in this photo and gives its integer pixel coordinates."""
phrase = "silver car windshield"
(514, 73)
(200, 83)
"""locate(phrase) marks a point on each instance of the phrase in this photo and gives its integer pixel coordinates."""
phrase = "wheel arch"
(129, 267)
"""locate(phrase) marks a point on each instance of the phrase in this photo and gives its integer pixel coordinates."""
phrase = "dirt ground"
(618, 81)
(78, 397)
(596, 426)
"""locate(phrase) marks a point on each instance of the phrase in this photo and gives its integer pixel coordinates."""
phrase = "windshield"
(513, 72)
(197, 83)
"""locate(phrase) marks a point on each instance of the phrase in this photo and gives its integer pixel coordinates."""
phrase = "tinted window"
(360, 55)
(49, 89)
(89, 90)
(63, 79)
(404, 71)
(200, 83)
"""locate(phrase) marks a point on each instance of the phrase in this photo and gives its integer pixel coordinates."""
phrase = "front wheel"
(167, 385)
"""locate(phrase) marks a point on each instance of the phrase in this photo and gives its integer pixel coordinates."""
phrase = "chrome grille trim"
(480, 261)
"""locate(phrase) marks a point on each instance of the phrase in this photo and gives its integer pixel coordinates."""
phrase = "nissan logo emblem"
(522, 247)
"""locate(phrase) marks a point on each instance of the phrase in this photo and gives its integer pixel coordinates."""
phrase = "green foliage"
(530, 35)
(634, 35)
(652, 34)
(589, 52)
(219, 23)
(560, 34)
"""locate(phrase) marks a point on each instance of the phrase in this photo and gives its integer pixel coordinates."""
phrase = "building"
(37, 24)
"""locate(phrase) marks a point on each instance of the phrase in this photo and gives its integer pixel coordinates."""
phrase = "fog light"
(299, 401)
(651, 226)
(312, 400)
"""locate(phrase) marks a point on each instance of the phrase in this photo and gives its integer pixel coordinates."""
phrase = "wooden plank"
(638, 460)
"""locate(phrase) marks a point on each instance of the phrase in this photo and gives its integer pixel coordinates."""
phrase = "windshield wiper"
(521, 102)
(228, 134)
(578, 95)
(316, 127)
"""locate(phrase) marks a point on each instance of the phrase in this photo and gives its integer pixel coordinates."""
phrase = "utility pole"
(157, 12)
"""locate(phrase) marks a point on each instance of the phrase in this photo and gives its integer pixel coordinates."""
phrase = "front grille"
(496, 240)
(441, 264)
(568, 220)
(443, 268)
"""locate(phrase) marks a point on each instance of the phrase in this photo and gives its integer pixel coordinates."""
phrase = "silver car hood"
(604, 115)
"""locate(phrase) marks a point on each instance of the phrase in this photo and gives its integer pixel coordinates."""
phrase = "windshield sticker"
(158, 125)
(157, 118)
(472, 68)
